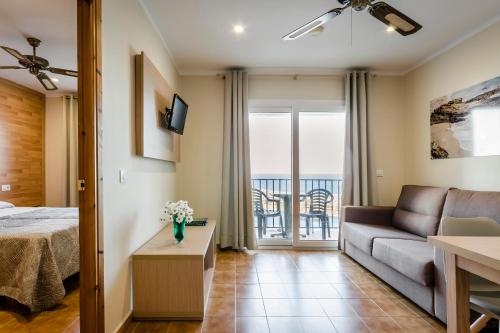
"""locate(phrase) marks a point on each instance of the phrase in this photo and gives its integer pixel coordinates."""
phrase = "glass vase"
(179, 228)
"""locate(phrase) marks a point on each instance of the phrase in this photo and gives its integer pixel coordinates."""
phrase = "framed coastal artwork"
(467, 122)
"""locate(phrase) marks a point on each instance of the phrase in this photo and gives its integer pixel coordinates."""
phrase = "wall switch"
(6, 188)
(380, 173)
(122, 176)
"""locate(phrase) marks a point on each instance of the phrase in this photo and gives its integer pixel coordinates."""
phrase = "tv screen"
(178, 115)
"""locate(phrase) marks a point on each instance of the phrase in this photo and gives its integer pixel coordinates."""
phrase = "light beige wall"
(304, 87)
(55, 153)
(200, 169)
(131, 210)
(386, 146)
(474, 61)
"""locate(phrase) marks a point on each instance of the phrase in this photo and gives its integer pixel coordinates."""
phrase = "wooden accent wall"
(22, 116)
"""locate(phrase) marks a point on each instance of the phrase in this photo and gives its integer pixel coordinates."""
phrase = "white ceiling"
(51, 21)
(199, 33)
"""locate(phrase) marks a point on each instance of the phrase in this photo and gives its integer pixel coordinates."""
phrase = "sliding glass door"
(296, 160)
(271, 164)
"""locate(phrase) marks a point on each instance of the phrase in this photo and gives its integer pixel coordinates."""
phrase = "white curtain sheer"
(70, 174)
(236, 226)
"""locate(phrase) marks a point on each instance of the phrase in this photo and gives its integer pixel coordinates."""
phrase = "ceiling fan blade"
(17, 54)
(297, 33)
(11, 67)
(46, 81)
(394, 18)
(62, 71)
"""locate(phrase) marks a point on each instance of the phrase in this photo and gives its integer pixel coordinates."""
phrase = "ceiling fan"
(36, 65)
(380, 10)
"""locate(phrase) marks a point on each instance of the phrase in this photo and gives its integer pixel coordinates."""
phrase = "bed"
(39, 248)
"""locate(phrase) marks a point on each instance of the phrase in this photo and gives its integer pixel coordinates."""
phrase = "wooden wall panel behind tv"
(22, 115)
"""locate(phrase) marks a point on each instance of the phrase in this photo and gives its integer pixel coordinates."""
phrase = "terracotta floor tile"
(250, 307)
(269, 277)
(251, 325)
(248, 291)
(349, 325)
(414, 325)
(218, 325)
(382, 325)
(348, 290)
(273, 290)
(224, 277)
(394, 308)
(300, 325)
(324, 291)
(246, 277)
(185, 327)
(220, 307)
(336, 308)
(365, 308)
(222, 290)
(293, 307)
(225, 266)
(152, 327)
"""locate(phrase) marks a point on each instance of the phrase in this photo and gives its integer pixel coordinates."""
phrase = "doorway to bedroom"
(49, 198)
(296, 157)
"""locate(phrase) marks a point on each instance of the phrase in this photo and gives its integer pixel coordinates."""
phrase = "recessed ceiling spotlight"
(390, 29)
(238, 29)
(54, 79)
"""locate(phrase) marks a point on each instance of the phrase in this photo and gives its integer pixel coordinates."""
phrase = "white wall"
(474, 61)
(55, 153)
(131, 210)
(200, 169)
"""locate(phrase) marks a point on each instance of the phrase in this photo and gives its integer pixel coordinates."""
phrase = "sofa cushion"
(362, 235)
(419, 209)
(460, 203)
(414, 259)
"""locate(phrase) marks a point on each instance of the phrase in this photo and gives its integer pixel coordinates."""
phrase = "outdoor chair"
(262, 212)
(317, 201)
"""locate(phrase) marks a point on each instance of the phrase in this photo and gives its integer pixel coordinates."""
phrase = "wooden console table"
(172, 281)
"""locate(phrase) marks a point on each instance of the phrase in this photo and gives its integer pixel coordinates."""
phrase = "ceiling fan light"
(305, 29)
(390, 16)
(314, 24)
(399, 22)
(46, 81)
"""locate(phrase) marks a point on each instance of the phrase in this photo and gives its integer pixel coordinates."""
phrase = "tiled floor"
(299, 291)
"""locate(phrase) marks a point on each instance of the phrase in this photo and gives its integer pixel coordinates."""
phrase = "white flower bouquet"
(178, 213)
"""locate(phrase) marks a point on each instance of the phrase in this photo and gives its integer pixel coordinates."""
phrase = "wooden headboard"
(22, 116)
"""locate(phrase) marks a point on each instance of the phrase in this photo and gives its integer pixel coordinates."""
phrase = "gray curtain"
(236, 227)
(356, 189)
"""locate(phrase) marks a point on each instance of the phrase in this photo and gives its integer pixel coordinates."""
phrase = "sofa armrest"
(368, 214)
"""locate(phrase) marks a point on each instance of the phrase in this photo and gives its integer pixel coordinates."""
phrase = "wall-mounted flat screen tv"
(178, 112)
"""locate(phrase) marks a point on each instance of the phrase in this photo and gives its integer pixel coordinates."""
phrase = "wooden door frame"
(90, 166)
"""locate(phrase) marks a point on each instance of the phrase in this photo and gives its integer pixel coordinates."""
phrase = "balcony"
(276, 201)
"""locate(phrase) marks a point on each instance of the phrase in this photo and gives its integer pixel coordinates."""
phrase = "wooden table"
(477, 255)
(170, 280)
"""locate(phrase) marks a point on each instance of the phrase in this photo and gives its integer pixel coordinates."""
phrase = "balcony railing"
(272, 186)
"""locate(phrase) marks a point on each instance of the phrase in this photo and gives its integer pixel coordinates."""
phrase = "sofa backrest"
(419, 209)
(462, 203)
